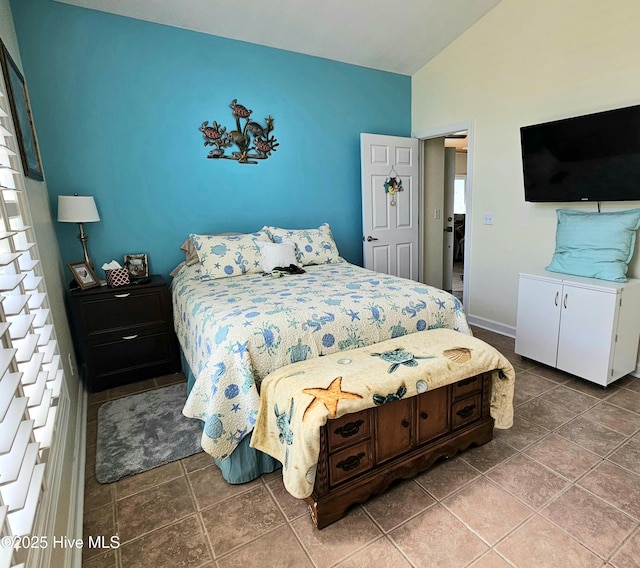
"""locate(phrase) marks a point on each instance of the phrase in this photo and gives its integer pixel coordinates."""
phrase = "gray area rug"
(143, 431)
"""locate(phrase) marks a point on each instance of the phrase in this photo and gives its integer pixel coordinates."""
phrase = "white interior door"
(390, 222)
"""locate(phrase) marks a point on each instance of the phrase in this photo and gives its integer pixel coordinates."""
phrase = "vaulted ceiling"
(399, 36)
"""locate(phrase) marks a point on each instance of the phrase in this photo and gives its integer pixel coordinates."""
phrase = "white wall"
(38, 198)
(525, 62)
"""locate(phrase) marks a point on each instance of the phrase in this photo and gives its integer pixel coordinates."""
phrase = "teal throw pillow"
(596, 245)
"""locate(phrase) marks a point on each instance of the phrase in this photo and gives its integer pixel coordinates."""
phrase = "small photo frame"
(137, 265)
(84, 274)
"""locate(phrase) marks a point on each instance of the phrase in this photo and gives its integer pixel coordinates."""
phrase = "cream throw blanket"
(296, 400)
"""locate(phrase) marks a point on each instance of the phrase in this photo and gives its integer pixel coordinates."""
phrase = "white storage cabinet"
(584, 326)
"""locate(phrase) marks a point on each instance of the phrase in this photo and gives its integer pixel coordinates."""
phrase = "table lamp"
(78, 209)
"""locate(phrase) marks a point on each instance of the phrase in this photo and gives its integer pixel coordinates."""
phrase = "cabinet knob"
(122, 295)
(405, 423)
(129, 336)
(424, 415)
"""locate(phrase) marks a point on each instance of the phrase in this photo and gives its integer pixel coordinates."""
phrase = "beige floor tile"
(180, 545)
(590, 435)
(291, 507)
(96, 494)
(550, 373)
(585, 517)
(446, 477)
(338, 540)
(153, 508)
(545, 414)
(528, 480)
(629, 554)
(563, 456)
(487, 510)
(277, 549)
(491, 560)
(626, 399)
(570, 399)
(209, 487)
(590, 388)
(628, 455)
(380, 554)
(488, 455)
(142, 481)
(523, 433)
(529, 386)
(238, 521)
(616, 486)
(438, 538)
(100, 522)
(539, 544)
(398, 504)
(107, 560)
(197, 461)
(614, 417)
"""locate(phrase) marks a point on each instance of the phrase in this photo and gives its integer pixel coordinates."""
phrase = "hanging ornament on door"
(392, 185)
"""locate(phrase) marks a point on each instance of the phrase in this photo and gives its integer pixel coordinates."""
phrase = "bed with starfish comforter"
(235, 331)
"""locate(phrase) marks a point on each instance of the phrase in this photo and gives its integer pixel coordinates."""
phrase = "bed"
(234, 331)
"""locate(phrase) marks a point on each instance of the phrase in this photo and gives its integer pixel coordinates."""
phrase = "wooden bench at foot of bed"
(362, 453)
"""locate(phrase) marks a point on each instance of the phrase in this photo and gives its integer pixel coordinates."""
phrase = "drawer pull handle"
(352, 462)
(467, 381)
(122, 295)
(349, 429)
(466, 411)
(405, 423)
(424, 415)
(129, 336)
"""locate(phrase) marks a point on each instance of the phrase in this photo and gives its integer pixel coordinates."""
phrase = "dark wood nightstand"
(124, 334)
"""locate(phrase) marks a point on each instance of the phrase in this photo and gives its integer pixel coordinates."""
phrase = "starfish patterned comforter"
(235, 331)
(297, 400)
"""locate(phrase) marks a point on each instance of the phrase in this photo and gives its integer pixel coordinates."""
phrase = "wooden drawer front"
(465, 411)
(350, 461)
(393, 428)
(348, 429)
(466, 387)
(433, 418)
(119, 310)
(132, 352)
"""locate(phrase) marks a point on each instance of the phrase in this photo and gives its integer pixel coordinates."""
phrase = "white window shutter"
(32, 391)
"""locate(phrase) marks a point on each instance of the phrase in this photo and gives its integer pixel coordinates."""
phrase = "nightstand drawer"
(466, 387)
(152, 353)
(126, 309)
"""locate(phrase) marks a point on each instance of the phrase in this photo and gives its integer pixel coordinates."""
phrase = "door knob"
(370, 238)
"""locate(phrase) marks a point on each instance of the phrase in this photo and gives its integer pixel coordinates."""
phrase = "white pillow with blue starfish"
(230, 255)
(313, 246)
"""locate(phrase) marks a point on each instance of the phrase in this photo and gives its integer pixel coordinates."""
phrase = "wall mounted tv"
(595, 157)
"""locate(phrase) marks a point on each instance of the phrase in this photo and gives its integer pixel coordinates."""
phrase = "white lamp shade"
(77, 209)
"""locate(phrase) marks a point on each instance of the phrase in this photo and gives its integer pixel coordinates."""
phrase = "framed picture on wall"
(21, 113)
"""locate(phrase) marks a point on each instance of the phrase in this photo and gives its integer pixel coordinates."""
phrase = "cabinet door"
(393, 428)
(587, 332)
(433, 414)
(538, 319)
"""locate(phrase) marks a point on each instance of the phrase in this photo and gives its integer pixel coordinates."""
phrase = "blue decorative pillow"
(313, 246)
(596, 245)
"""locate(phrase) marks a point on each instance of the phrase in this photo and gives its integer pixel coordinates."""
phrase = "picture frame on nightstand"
(83, 274)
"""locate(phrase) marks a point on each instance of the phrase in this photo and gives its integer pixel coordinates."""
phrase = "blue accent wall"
(117, 105)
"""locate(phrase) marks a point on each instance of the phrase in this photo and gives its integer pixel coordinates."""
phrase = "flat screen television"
(595, 157)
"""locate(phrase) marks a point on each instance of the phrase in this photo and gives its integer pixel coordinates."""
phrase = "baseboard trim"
(74, 560)
(497, 327)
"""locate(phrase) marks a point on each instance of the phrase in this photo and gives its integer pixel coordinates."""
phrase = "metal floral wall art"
(253, 140)
(393, 184)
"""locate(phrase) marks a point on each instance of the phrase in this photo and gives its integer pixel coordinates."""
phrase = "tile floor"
(561, 488)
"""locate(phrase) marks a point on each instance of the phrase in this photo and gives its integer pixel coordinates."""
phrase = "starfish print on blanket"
(329, 397)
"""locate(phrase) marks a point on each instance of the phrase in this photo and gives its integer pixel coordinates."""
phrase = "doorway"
(445, 258)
